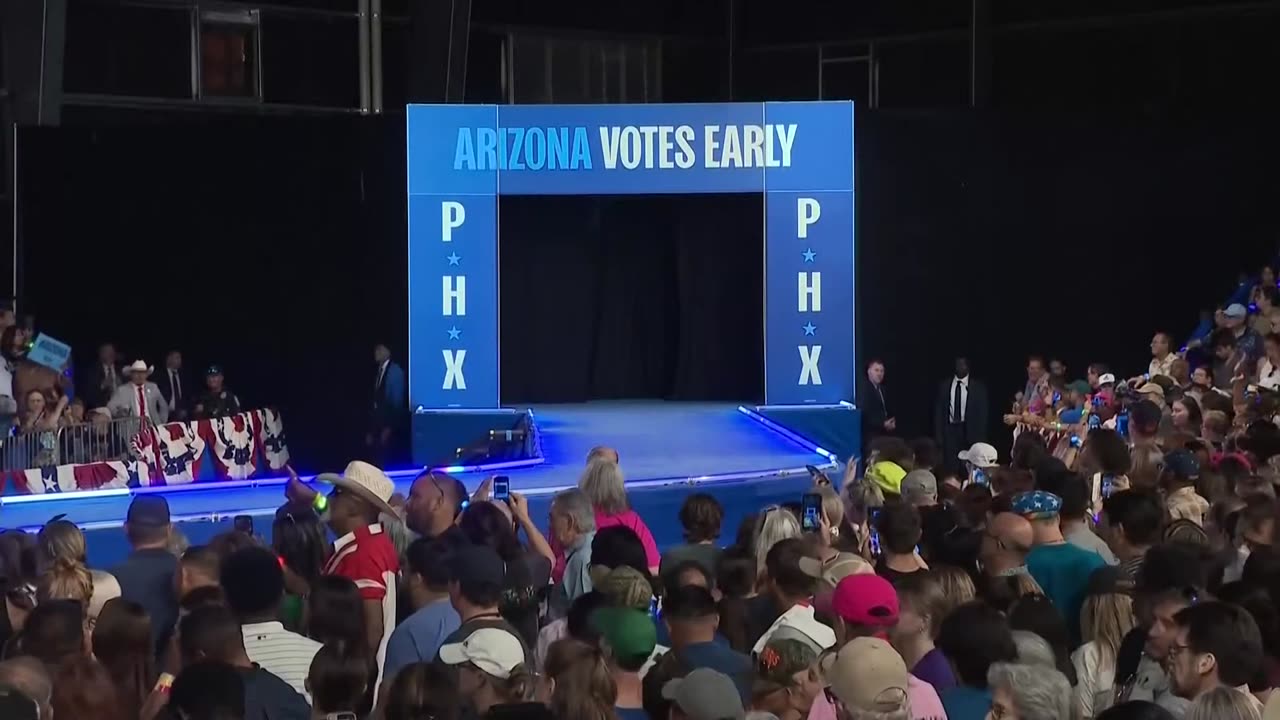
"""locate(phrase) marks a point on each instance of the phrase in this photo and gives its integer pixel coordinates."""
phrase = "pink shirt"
(924, 700)
(628, 519)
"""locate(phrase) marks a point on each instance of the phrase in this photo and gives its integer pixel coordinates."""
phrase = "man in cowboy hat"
(364, 552)
(139, 397)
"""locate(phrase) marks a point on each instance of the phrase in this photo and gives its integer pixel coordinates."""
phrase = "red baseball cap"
(866, 600)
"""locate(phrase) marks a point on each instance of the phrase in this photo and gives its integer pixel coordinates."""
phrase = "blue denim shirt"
(577, 569)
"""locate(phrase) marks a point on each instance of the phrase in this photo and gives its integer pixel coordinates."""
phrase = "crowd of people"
(1118, 565)
(900, 597)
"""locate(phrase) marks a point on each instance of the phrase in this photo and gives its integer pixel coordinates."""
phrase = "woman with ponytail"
(65, 579)
(61, 538)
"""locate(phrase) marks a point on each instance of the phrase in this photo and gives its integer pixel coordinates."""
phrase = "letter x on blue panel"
(462, 157)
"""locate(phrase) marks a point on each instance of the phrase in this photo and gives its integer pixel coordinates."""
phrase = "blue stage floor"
(664, 447)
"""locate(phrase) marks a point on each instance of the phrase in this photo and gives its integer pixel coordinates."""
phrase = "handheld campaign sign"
(462, 157)
(49, 352)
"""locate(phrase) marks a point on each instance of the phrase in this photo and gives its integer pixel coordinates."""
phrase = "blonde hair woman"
(605, 486)
(830, 546)
(62, 540)
(859, 496)
(1106, 617)
(774, 525)
(65, 579)
(923, 605)
(1224, 703)
(603, 483)
(956, 585)
(1148, 461)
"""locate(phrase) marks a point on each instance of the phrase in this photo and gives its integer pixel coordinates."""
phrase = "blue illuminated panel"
(462, 157)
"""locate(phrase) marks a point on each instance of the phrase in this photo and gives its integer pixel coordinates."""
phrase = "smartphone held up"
(811, 512)
(501, 488)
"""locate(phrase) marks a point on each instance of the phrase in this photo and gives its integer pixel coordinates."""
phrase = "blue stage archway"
(462, 157)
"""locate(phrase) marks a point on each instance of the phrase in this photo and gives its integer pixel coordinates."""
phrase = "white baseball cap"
(980, 455)
(494, 651)
(1106, 379)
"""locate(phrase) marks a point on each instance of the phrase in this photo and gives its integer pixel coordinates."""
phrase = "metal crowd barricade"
(94, 441)
(1058, 442)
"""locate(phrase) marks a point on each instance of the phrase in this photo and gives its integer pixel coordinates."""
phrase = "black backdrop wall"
(274, 248)
(277, 247)
(632, 296)
(1077, 236)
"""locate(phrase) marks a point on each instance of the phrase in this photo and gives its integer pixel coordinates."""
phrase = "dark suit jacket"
(975, 416)
(161, 378)
(874, 410)
(389, 396)
(91, 390)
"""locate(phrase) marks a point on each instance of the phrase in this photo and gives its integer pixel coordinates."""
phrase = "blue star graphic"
(454, 333)
(453, 258)
(808, 328)
(808, 255)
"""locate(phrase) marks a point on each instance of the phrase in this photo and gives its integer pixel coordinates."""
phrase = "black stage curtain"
(632, 297)
(274, 247)
(1002, 234)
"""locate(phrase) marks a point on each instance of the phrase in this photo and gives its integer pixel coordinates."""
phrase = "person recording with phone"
(528, 572)
(833, 542)
(980, 461)
(899, 529)
(1105, 460)
(1077, 515)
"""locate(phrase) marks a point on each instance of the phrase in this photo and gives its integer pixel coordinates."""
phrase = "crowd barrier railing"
(130, 452)
(1056, 439)
(97, 441)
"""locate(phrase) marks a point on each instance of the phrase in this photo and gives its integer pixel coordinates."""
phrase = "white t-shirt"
(1162, 367)
(1268, 375)
(799, 618)
(6, 379)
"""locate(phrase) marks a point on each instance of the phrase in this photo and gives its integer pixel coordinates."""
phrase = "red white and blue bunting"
(248, 445)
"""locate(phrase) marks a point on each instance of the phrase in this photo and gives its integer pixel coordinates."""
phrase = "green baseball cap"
(777, 664)
(1080, 386)
(629, 633)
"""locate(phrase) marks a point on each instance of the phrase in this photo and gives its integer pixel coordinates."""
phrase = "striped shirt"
(287, 655)
(1133, 566)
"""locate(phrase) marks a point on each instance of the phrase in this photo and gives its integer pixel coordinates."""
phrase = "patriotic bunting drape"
(248, 445)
